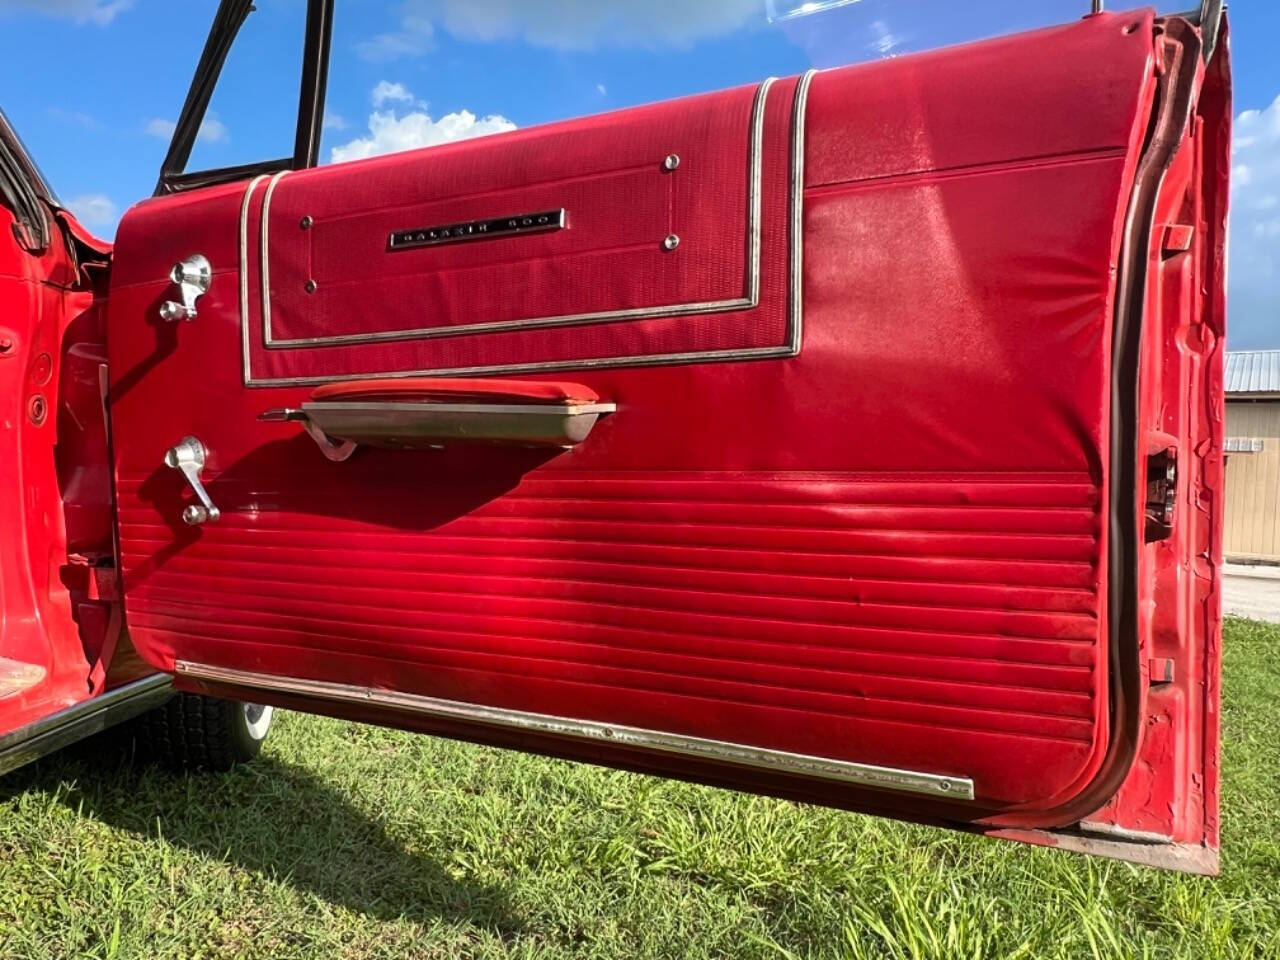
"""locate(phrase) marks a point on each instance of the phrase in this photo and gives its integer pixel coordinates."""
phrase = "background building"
(1253, 456)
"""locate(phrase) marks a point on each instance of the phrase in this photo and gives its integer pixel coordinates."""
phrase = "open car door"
(852, 437)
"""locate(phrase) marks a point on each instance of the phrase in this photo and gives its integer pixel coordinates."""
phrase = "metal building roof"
(1253, 371)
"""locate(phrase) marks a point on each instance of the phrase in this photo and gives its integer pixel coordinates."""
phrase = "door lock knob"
(188, 456)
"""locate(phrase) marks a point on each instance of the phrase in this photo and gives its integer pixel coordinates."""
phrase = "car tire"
(195, 732)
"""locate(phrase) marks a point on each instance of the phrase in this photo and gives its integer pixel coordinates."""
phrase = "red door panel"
(848, 523)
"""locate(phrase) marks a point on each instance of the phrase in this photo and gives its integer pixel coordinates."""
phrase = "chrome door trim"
(760, 758)
(264, 277)
(789, 348)
(244, 273)
(44, 736)
(747, 301)
(795, 298)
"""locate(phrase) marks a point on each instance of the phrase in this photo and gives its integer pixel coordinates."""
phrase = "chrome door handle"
(192, 277)
(188, 456)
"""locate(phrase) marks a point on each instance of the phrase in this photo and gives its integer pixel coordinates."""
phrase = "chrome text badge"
(478, 229)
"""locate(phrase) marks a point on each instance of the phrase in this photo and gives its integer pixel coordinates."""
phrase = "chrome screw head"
(672, 161)
(671, 242)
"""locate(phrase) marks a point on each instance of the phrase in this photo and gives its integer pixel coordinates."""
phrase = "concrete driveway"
(1251, 591)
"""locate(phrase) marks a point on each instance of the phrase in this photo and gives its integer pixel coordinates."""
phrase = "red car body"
(901, 490)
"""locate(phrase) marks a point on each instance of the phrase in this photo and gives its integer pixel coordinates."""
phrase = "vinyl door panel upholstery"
(852, 503)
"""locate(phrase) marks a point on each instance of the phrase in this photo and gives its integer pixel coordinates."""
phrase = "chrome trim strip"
(761, 758)
(589, 363)
(244, 273)
(752, 298)
(264, 278)
(755, 190)
(790, 348)
(798, 141)
(42, 737)
(513, 409)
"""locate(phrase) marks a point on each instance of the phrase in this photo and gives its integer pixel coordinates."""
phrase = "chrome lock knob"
(192, 277)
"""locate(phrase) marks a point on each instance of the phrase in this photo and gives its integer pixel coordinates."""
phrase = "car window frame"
(230, 17)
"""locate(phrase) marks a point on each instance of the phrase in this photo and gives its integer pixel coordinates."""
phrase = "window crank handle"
(188, 456)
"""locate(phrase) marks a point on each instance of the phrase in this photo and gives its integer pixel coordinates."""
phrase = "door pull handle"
(188, 456)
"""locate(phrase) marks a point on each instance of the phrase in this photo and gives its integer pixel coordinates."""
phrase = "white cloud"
(413, 39)
(212, 130)
(562, 24)
(883, 39)
(76, 117)
(100, 12)
(93, 209)
(1253, 318)
(334, 121)
(160, 128)
(391, 133)
(386, 92)
(602, 89)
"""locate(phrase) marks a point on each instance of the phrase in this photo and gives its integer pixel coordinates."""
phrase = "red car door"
(852, 437)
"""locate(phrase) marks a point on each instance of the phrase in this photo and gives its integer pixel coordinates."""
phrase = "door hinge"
(1162, 493)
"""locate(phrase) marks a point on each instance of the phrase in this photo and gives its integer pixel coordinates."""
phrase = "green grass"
(347, 841)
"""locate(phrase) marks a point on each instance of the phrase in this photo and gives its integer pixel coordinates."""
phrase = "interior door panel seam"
(928, 658)
(932, 631)
(771, 550)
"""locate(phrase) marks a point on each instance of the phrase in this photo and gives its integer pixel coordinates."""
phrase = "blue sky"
(414, 72)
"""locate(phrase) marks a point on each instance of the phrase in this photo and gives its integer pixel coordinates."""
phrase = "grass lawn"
(347, 841)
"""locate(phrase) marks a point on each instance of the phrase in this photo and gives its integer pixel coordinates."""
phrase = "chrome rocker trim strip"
(795, 311)
(44, 736)
(861, 774)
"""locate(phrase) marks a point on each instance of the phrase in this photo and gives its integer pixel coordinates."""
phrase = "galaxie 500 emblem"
(477, 229)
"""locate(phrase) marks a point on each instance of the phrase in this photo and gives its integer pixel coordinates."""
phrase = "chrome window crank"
(192, 277)
(188, 456)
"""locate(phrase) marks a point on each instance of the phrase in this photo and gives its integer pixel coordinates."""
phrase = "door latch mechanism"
(1162, 493)
(188, 456)
(192, 277)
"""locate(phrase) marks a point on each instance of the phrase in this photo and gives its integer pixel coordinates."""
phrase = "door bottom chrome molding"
(860, 774)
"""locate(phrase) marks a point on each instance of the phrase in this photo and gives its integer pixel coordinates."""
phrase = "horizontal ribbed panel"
(958, 606)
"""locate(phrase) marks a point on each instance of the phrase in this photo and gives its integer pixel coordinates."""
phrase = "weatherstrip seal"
(760, 758)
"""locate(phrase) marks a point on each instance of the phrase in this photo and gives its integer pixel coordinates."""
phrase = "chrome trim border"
(760, 758)
(264, 277)
(244, 273)
(752, 298)
(789, 348)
